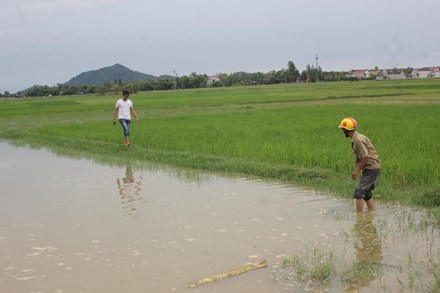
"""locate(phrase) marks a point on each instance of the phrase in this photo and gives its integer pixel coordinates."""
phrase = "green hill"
(109, 74)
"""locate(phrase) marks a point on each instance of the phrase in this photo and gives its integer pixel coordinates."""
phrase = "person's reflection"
(368, 251)
(129, 188)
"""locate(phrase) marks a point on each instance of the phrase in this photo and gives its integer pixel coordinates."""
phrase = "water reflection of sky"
(75, 226)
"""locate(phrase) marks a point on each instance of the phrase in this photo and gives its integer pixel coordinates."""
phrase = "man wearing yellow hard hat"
(366, 160)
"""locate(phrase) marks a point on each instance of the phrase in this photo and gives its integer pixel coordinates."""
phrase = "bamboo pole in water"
(228, 274)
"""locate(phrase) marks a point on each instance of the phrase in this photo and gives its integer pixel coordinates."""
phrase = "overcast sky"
(46, 42)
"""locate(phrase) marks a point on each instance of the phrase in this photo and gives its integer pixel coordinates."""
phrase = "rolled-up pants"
(126, 123)
(366, 184)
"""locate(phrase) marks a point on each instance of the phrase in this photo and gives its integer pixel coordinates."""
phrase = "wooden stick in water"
(233, 272)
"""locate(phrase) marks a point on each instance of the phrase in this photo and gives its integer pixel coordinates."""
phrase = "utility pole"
(317, 70)
(175, 80)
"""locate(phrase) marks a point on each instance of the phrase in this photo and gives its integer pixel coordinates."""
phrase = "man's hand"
(355, 174)
(359, 168)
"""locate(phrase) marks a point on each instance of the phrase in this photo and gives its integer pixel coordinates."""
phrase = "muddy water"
(76, 226)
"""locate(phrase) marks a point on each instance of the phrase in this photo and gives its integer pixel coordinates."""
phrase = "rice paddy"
(284, 133)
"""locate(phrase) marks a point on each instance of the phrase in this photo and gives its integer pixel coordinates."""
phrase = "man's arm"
(115, 113)
(134, 114)
(359, 168)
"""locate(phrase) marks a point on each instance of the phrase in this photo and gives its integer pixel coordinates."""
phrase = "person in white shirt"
(123, 108)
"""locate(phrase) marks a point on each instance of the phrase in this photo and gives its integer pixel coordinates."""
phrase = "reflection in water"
(368, 250)
(129, 188)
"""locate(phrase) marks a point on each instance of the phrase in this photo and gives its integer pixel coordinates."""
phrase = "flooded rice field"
(69, 225)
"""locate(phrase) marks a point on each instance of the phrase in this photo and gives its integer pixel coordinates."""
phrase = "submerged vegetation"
(377, 262)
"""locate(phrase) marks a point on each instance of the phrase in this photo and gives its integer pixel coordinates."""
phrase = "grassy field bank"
(285, 132)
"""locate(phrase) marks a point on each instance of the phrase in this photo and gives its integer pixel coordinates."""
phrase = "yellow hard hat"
(348, 123)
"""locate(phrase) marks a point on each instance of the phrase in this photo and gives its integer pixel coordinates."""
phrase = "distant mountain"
(109, 74)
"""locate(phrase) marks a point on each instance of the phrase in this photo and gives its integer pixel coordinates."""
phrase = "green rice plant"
(434, 286)
(421, 276)
(360, 273)
(433, 266)
(323, 267)
(315, 268)
(430, 198)
(296, 264)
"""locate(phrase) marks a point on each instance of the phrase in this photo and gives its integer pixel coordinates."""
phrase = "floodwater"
(73, 225)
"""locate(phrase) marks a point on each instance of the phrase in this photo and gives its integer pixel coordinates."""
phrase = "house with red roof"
(360, 73)
(213, 79)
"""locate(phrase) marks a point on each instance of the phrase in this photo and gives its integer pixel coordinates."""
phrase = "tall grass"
(285, 132)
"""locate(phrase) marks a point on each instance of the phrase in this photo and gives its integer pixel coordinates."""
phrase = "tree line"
(286, 75)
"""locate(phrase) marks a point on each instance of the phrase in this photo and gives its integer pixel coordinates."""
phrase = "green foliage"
(361, 273)
(430, 198)
(317, 267)
(113, 73)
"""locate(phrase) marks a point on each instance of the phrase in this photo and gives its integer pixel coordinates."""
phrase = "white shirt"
(124, 108)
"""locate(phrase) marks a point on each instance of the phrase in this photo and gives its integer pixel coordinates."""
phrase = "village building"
(212, 80)
(360, 73)
(426, 72)
(435, 73)
(395, 73)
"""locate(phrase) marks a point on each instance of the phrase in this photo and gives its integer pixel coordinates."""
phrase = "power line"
(317, 70)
